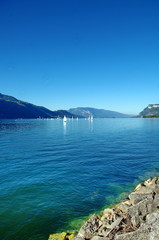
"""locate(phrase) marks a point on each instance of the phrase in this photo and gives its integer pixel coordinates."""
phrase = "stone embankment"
(136, 218)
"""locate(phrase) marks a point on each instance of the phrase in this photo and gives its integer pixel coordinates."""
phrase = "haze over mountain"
(97, 113)
(11, 107)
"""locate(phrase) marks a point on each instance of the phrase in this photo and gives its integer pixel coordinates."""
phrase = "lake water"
(53, 175)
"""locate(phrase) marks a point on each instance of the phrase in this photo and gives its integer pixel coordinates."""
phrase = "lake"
(53, 175)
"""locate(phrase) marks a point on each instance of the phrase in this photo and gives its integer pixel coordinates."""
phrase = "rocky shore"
(136, 218)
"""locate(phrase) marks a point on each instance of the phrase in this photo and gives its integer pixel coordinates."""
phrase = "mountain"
(11, 107)
(97, 113)
(152, 110)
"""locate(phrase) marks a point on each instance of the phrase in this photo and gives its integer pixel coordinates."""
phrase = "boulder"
(147, 231)
(90, 228)
(136, 197)
(124, 206)
(153, 224)
(135, 235)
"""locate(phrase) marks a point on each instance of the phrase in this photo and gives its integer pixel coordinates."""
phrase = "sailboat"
(90, 117)
(64, 118)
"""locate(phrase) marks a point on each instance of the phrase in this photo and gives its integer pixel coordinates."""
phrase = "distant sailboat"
(90, 117)
(64, 118)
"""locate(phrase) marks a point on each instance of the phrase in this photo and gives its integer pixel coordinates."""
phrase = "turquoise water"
(53, 175)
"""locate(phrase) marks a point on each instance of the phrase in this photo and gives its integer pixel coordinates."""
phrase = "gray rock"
(155, 205)
(140, 210)
(109, 215)
(135, 235)
(124, 206)
(114, 227)
(103, 231)
(153, 224)
(99, 238)
(136, 197)
(133, 219)
(152, 218)
(116, 223)
(107, 226)
(90, 228)
(147, 231)
(136, 221)
(78, 238)
(148, 186)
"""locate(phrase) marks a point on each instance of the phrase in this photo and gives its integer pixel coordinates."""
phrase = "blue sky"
(68, 53)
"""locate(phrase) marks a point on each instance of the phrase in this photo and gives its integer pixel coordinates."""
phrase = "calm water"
(53, 175)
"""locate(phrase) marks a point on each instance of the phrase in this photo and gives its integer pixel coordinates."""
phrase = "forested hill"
(11, 107)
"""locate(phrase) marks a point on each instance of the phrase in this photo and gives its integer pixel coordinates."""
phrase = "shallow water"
(54, 174)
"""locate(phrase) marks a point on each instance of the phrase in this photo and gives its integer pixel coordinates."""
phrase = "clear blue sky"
(69, 53)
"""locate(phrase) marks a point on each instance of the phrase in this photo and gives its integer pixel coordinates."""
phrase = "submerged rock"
(57, 236)
(62, 236)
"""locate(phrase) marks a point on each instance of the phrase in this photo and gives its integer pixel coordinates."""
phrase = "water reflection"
(18, 124)
(64, 127)
(90, 123)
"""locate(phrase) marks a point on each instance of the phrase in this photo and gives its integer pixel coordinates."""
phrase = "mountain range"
(97, 113)
(11, 108)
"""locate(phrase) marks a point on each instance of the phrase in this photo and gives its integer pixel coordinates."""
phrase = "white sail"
(64, 118)
(90, 117)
